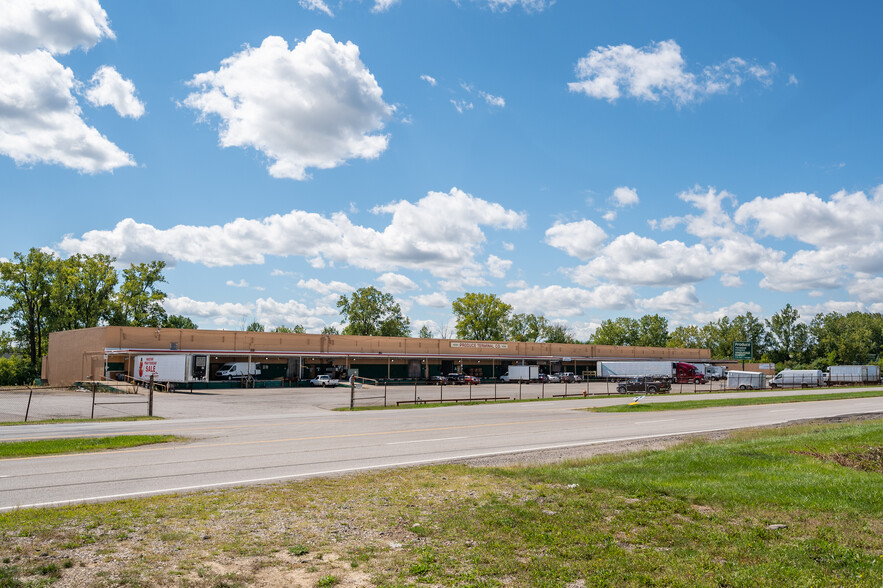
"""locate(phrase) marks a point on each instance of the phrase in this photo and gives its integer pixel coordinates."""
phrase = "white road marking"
(784, 410)
(425, 440)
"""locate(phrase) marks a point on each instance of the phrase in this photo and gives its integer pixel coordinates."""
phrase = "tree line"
(47, 294)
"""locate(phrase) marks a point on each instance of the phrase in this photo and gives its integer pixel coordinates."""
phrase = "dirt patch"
(868, 460)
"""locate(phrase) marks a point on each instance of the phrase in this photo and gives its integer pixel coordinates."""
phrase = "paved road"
(274, 437)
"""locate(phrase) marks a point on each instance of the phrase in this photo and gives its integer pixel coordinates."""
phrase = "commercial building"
(289, 358)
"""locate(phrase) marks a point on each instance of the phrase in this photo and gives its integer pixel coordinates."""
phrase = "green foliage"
(79, 445)
(789, 339)
(425, 332)
(139, 301)
(557, 334)
(481, 317)
(294, 329)
(255, 327)
(176, 321)
(15, 370)
(648, 331)
(27, 283)
(527, 327)
(368, 311)
(330, 330)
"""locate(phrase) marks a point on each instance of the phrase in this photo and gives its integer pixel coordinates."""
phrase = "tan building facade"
(108, 352)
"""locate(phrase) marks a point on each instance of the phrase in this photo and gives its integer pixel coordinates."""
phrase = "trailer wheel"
(742, 387)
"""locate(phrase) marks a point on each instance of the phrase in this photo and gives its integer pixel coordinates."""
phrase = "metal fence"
(28, 404)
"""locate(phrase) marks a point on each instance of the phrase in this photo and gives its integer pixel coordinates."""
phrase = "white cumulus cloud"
(58, 26)
(413, 239)
(562, 301)
(41, 122)
(434, 300)
(429, 80)
(316, 5)
(625, 196)
(109, 88)
(313, 106)
(658, 71)
(581, 239)
(396, 283)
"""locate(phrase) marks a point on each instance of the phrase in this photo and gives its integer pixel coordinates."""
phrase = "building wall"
(76, 355)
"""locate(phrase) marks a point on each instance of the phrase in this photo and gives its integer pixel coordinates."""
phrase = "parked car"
(568, 377)
(554, 379)
(454, 378)
(437, 381)
(324, 380)
(648, 385)
(543, 378)
(471, 380)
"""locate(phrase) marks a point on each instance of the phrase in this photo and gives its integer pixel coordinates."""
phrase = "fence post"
(470, 391)
(93, 400)
(28, 409)
(543, 389)
(519, 389)
(150, 397)
(353, 393)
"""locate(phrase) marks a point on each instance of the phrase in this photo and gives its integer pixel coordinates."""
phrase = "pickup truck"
(324, 380)
(647, 385)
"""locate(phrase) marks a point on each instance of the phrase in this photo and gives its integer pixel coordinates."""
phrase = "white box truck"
(797, 379)
(745, 380)
(521, 373)
(712, 372)
(853, 374)
(238, 369)
(172, 367)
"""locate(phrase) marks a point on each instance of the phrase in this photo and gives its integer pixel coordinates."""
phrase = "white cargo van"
(238, 369)
(798, 378)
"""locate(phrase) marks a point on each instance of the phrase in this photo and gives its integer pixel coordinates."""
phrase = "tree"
(619, 331)
(789, 338)
(255, 327)
(425, 332)
(330, 330)
(482, 317)
(557, 334)
(652, 331)
(82, 292)
(368, 311)
(685, 336)
(27, 283)
(176, 321)
(139, 301)
(294, 329)
(527, 327)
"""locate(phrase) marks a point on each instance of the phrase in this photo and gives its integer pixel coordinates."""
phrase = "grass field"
(10, 449)
(792, 506)
(748, 401)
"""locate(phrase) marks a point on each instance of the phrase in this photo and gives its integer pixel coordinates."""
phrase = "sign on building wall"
(475, 345)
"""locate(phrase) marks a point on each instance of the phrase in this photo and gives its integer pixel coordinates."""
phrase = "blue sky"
(582, 160)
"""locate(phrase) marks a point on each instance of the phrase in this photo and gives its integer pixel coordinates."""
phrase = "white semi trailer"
(853, 374)
(675, 371)
(179, 368)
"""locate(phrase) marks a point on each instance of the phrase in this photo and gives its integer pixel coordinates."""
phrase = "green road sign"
(742, 350)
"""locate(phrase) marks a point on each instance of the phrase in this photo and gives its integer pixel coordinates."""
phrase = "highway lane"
(228, 451)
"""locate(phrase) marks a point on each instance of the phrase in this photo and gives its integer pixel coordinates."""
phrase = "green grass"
(691, 404)
(791, 506)
(59, 421)
(10, 449)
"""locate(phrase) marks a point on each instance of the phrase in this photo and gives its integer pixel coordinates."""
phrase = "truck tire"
(774, 386)
(742, 387)
(652, 389)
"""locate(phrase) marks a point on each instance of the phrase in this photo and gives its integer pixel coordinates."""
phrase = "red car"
(471, 380)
